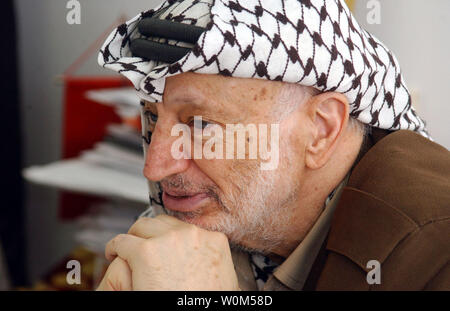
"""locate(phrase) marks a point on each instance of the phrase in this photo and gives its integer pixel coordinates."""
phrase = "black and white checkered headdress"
(311, 42)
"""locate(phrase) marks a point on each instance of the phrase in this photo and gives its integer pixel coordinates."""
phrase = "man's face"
(253, 207)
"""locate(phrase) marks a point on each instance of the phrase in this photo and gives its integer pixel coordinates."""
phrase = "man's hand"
(164, 253)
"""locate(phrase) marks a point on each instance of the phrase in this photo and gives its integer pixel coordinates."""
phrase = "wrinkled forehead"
(246, 95)
(230, 99)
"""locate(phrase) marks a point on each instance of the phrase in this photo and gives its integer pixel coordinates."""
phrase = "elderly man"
(355, 196)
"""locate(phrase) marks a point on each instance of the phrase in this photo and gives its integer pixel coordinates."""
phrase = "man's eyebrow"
(199, 103)
(146, 104)
(207, 105)
(189, 99)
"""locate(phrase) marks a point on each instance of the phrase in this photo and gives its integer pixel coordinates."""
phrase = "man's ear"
(328, 113)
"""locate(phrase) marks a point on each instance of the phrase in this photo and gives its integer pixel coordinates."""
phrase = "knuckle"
(162, 216)
(221, 237)
(117, 239)
(186, 228)
(141, 221)
(138, 224)
(118, 263)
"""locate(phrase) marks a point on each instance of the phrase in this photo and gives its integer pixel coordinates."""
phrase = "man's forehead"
(188, 87)
(189, 92)
(229, 99)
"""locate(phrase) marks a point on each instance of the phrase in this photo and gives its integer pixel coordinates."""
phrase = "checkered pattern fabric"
(311, 42)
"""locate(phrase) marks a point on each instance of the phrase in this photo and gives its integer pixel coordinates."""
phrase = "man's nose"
(159, 162)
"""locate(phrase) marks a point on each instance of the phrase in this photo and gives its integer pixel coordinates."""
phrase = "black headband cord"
(153, 27)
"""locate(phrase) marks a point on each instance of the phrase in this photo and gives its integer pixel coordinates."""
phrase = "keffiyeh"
(311, 42)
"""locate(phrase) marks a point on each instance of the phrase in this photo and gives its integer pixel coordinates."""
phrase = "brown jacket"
(395, 208)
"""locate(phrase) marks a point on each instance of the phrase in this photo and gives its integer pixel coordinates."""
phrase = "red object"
(85, 121)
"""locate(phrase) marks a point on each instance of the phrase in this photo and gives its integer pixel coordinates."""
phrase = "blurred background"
(71, 164)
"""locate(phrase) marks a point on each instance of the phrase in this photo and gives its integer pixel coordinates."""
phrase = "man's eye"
(151, 117)
(199, 125)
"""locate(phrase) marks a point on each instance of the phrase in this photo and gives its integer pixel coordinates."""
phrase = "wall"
(418, 33)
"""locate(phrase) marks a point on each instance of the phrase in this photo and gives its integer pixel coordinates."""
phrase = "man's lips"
(183, 202)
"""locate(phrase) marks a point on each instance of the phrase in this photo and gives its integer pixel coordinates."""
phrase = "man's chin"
(209, 222)
(195, 218)
(188, 217)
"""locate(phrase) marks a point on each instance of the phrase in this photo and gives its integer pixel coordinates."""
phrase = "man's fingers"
(170, 220)
(147, 228)
(117, 277)
(128, 245)
(124, 246)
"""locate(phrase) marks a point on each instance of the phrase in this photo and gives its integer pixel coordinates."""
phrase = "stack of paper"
(112, 169)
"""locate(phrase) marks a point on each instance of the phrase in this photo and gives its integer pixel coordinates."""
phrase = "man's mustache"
(179, 185)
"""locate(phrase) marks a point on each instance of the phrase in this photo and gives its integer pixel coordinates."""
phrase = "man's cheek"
(216, 170)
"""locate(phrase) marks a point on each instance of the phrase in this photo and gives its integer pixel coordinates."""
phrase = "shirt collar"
(294, 271)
